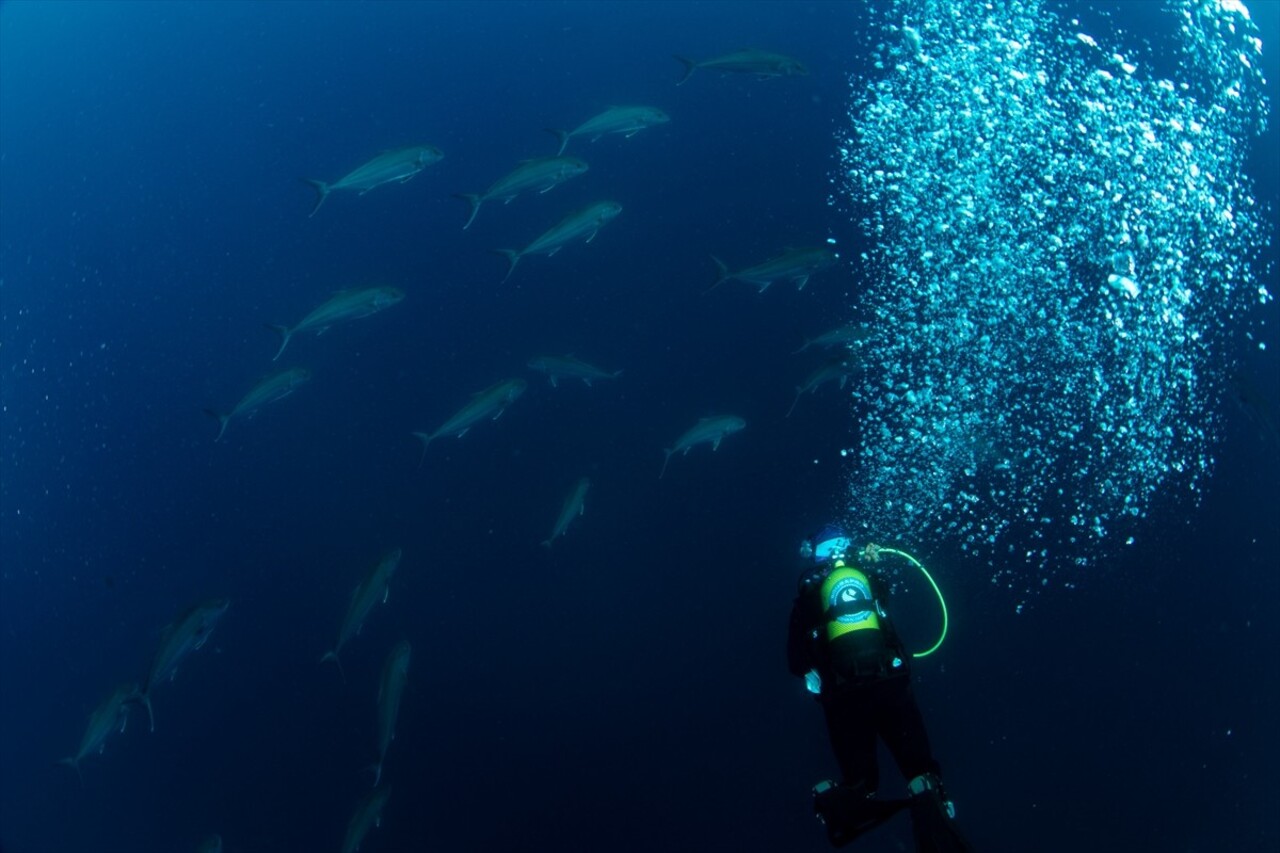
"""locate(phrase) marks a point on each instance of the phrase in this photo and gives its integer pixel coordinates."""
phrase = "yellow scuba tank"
(848, 604)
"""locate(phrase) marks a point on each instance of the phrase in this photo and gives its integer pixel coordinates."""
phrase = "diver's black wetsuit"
(863, 695)
(865, 692)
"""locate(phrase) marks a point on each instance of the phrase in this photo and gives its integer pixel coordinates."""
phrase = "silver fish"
(625, 120)
(853, 334)
(835, 370)
(706, 431)
(188, 634)
(395, 672)
(489, 403)
(110, 716)
(559, 367)
(367, 815)
(342, 306)
(275, 387)
(400, 164)
(792, 265)
(581, 223)
(542, 174)
(761, 63)
(574, 505)
(373, 589)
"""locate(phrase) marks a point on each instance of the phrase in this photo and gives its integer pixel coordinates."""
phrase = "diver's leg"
(851, 724)
(901, 725)
(850, 808)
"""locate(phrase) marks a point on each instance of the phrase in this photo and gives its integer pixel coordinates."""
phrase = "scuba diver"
(843, 645)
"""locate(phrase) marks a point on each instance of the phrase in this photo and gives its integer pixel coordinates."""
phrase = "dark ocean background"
(626, 689)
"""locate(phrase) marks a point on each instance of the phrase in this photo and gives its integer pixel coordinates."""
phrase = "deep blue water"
(625, 689)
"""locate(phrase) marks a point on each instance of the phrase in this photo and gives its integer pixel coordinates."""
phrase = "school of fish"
(190, 631)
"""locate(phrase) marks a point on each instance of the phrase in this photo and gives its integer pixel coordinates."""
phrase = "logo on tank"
(847, 591)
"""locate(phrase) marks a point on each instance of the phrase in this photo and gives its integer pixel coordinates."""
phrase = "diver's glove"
(813, 683)
(932, 817)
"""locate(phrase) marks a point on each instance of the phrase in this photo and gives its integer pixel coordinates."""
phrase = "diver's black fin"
(934, 828)
(848, 812)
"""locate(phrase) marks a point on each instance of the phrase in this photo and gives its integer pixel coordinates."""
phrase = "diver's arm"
(800, 636)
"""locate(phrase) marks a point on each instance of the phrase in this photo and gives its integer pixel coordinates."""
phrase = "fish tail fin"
(74, 763)
(425, 438)
(546, 543)
(616, 374)
(145, 699)
(799, 391)
(562, 136)
(285, 334)
(376, 768)
(808, 343)
(474, 201)
(664, 463)
(689, 67)
(222, 427)
(333, 656)
(322, 192)
(513, 258)
(722, 273)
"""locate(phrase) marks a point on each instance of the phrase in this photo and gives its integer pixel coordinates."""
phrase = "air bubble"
(1040, 344)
